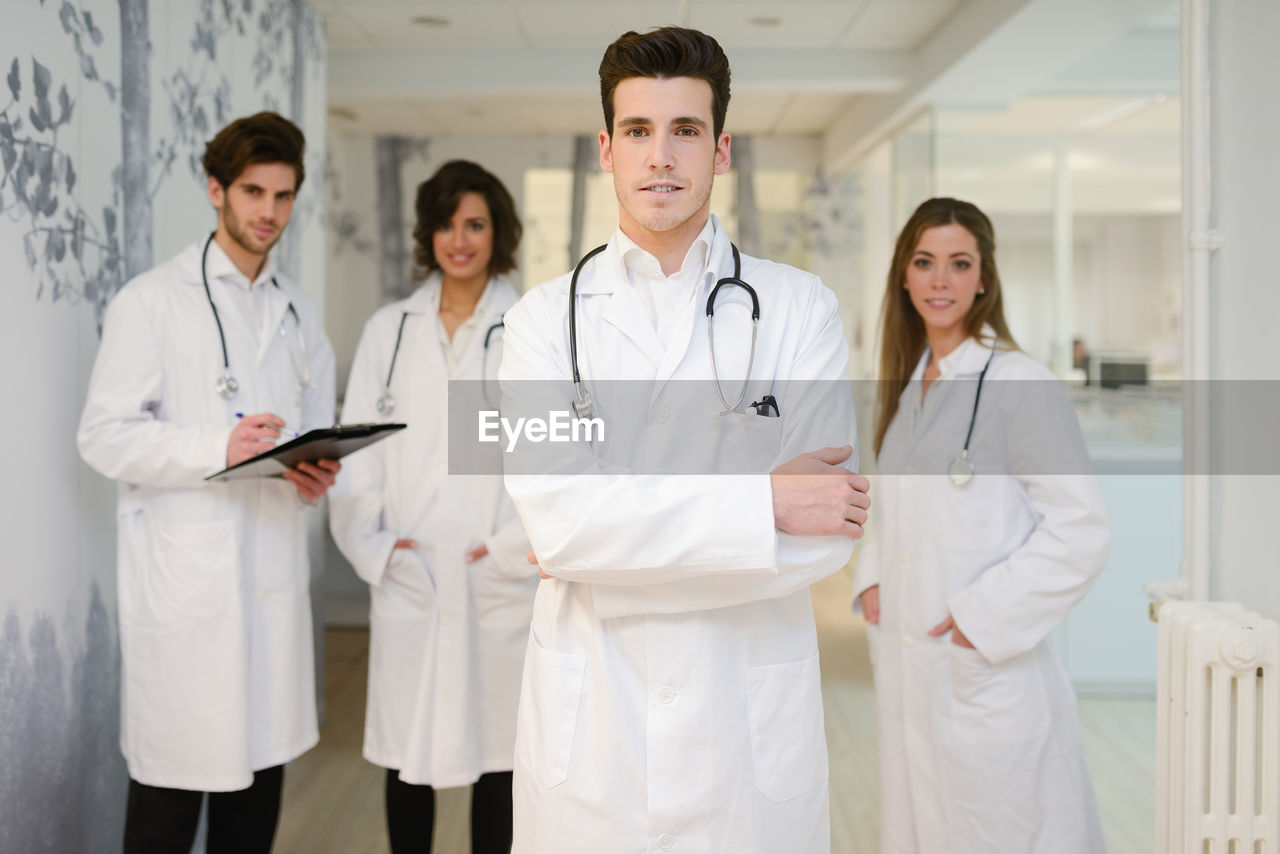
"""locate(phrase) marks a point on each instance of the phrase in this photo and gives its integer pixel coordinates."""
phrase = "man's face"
(254, 210)
(663, 153)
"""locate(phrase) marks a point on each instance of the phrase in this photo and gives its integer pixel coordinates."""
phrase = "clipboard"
(327, 443)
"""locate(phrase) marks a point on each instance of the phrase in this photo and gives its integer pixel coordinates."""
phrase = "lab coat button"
(666, 840)
(905, 557)
(908, 641)
(663, 416)
(666, 695)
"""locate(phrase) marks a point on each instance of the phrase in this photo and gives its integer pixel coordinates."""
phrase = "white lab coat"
(215, 615)
(671, 695)
(447, 637)
(980, 749)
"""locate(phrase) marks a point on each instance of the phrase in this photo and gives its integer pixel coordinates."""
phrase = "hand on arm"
(813, 495)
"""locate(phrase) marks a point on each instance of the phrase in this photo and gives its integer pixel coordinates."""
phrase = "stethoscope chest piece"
(386, 404)
(227, 386)
(961, 469)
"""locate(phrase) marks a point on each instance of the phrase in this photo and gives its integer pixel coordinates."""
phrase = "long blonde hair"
(902, 335)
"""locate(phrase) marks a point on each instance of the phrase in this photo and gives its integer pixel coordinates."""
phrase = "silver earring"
(982, 290)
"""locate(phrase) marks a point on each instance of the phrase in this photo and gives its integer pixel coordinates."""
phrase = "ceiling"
(529, 66)
(1009, 82)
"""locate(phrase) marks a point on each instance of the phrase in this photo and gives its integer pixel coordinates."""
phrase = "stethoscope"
(582, 398)
(386, 402)
(961, 469)
(227, 386)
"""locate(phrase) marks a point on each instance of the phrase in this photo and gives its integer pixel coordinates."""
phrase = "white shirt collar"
(220, 266)
(426, 299)
(971, 355)
(640, 262)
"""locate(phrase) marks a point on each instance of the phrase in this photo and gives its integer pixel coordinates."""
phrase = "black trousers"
(411, 813)
(163, 821)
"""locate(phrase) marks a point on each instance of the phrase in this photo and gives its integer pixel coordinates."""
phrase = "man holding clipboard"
(215, 615)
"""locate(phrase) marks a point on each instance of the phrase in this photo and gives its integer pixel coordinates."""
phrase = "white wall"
(1245, 290)
(62, 780)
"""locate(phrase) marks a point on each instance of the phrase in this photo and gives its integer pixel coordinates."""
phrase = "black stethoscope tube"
(582, 399)
(977, 395)
(395, 354)
(204, 280)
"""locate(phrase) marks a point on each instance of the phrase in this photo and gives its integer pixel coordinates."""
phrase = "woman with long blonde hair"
(989, 529)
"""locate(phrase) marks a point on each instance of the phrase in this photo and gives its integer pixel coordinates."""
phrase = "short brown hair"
(437, 201)
(665, 53)
(261, 138)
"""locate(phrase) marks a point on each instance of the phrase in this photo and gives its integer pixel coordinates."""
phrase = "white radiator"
(1217, 731)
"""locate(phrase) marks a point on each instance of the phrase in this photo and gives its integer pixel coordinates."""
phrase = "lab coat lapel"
(425, 341)
(605, 278)
(719, 263)
(625, 314)
(421, 364)
(481, 493)
(276, 320)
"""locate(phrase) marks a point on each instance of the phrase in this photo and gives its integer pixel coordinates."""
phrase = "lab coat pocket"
(550, 697)
(193, 570)
(788, 743)
(749, 443)
(407, 588)
(997, 703)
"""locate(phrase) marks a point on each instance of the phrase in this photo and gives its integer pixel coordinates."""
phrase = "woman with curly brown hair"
(444, 555)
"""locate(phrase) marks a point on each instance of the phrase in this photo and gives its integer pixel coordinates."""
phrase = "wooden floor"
(333, 798)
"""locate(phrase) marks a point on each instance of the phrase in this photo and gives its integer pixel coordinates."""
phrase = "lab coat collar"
(971, 356)
(614, 273)
(220, 266)
(426, 299)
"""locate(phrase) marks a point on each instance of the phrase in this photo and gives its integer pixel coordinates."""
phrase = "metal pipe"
(1200, 241)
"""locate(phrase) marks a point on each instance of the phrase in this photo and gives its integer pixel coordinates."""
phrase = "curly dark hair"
(437, 201)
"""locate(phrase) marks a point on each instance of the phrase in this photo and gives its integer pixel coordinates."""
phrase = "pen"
(283, 431)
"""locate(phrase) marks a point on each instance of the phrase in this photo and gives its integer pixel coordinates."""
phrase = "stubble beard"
(244, 238)
(658, 221)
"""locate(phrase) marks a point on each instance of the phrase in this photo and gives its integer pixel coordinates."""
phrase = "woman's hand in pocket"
(949, 625)
(871, 604)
